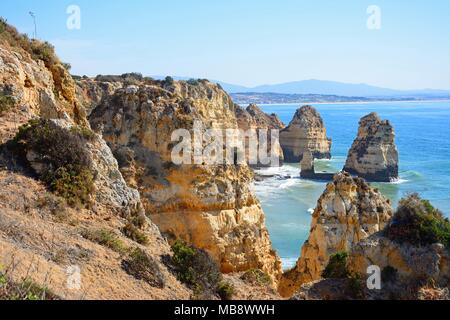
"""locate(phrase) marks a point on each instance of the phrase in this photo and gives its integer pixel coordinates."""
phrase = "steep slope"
(64, 205)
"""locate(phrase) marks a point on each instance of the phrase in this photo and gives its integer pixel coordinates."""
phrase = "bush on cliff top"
(66, 161)
(418, 223)
(37, 49)
(198, 270)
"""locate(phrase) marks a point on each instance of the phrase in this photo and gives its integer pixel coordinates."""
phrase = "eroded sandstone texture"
(254, 118)
(210, 206)
(373, 155)
(347, 212)
(305, 132)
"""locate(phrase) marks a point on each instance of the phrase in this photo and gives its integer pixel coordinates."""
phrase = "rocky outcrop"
(254, 118)
(305, 132)
(210, 206)
(91, 92)
(411, 263)
(373, 155)
(348, 212)
(308, 170)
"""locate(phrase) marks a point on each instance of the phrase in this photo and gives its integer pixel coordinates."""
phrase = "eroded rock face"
(210, 206)
(412, 263)
(347, 212)
(254, 118)
(373, 155)
(37, 91)
(305, 132)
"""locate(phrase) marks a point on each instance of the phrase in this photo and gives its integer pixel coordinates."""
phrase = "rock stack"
(373, 155)
(348, 211)
(305, 132)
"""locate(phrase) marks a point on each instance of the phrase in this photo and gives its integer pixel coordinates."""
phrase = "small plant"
(417, 222)
(169, 80)
(355, 287)
(105, 238)
(337, 267)
(196, 268)
(83, 131)
(65, 161)
(134, 233)
(25, 290)
(225, 290)
(389, 274)
(143, 267)
(257, 276)
(7, 103)
(193, 82)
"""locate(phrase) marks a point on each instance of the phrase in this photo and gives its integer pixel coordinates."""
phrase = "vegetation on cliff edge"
(417, 222)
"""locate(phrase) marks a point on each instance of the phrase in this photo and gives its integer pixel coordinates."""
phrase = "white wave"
(288, 184)
(399, 181)
(311, 210)
(288, 263)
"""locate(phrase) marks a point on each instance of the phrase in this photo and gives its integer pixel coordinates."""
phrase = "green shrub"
(417, 222)
(25, 290)
(337, 267)
(143, 267)
(169, 80)
(134, 233)
(225, 290)
(66, 161)
(193, 82)
(389, 274)
(257, 276)
(7, 103)
(105, 238)
(44, 51)
(196, 268)
(355, 287)
(37, 49)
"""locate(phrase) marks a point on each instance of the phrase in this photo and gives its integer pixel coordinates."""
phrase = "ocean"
(423, 140)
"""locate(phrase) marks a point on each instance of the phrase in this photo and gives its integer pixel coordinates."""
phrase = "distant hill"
(330, 88)
(336, 88)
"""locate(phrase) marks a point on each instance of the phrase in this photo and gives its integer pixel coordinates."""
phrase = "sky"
(249, 42)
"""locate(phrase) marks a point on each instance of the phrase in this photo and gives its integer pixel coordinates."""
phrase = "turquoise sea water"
(422, 137)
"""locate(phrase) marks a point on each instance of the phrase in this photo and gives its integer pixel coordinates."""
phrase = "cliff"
(255, 119)
(305, 132)
(210, 206)
(374, 155)
(64, 205)
(410, 255)
(347, 212)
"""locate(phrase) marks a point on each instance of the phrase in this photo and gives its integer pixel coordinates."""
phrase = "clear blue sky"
(250, 42)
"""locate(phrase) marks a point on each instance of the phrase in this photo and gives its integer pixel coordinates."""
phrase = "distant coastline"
(277, 98)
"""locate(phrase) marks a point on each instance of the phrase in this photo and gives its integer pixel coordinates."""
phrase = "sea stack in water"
(374, 155)
(347, 212)
(305, 132)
